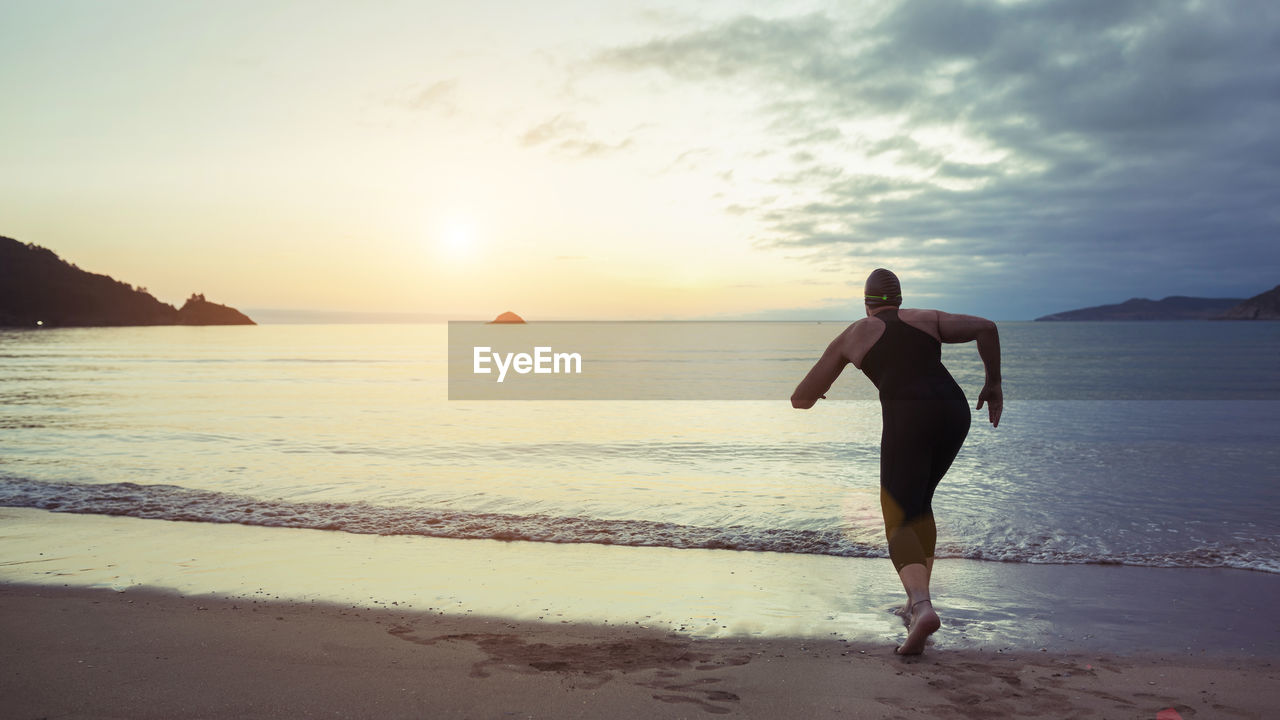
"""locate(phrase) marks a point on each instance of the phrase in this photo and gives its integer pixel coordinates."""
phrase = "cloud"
(690, 159)
(570, 137)
(1054, 144)
(550, 130)
(439, 97)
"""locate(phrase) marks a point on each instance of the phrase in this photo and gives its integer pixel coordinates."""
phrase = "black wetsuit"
(926, 418)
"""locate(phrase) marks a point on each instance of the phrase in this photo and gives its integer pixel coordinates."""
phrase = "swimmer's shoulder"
(859, 337)
(922, 319)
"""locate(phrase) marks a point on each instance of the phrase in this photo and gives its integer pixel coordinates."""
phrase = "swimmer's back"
(905, 360)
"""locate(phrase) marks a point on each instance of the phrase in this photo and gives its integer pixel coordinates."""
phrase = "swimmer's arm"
(824, 372)
(963, 328)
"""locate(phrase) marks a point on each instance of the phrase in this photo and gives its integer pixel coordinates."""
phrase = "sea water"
(1144, 444)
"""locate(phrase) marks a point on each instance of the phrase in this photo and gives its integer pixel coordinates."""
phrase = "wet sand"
(700, 593)
(148, 654)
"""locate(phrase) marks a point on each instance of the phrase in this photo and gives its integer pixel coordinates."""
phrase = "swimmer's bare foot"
(924, 622)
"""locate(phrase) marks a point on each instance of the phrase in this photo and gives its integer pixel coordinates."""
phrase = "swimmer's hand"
(993, 396)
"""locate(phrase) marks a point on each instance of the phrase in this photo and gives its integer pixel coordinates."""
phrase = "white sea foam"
(170, 502)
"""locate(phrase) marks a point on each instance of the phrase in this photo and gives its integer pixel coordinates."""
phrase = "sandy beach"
(73, 652)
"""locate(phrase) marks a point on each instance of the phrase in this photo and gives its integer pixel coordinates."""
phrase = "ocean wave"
(172, 502)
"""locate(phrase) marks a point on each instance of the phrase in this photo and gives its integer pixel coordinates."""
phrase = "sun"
(458, 238)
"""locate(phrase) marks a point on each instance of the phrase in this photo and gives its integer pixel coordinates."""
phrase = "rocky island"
(40, 289)
(507, 318)
(198, 311)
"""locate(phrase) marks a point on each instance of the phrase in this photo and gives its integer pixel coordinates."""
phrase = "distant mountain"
(38, 288)
(1265, 306)
(1175, 307)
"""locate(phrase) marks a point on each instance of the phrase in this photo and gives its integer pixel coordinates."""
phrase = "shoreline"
(146, 653)
(703, 594)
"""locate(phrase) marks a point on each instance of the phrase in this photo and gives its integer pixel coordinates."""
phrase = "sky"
(573, 159)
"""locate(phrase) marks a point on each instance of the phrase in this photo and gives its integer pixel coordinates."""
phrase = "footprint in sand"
(706, 706)
(709, 697)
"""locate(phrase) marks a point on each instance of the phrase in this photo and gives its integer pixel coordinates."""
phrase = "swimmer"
(925, 421)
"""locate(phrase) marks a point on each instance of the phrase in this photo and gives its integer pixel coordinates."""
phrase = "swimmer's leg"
(905, 612)
(908, 477)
